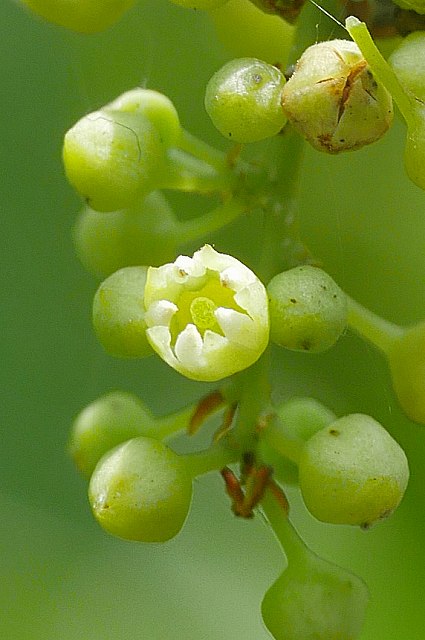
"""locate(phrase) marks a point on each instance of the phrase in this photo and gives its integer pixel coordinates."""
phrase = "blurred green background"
(60, 575)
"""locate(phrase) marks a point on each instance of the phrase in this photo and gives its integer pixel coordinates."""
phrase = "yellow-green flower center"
(202, 312)
(198, 307)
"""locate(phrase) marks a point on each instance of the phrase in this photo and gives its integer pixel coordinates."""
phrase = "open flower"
(207, 316)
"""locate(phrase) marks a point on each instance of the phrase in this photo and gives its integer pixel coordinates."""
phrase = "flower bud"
(314, 599)
(142, 234)
(155, 107)
(352, 472)
(243, 100)
(207, 316)
(105, 423)
(407, 364)
(334, 101)
(308, 311)
(112, 158)
(119, 314)
(408, 62)
(84, 16)
(141, 490)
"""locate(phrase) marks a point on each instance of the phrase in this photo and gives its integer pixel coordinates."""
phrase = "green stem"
(201, 150)
(187, 173)
(166, 426)
(381, 333)
(215, 219)
(281, 233)
(295, 549)
(212, 459)
(380, 68)
(254, 396)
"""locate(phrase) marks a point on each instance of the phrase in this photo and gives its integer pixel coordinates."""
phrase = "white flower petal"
(160, 340)
(239, 328)
(160, 313)
(213, 341)
(237, 277)
(253, 299)
(188, 348)
(161, 284)
(213, 260)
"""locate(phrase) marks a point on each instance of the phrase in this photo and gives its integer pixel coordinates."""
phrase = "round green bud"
(408, 61)
(141, 235)
(84, 16)
(243, 100)
(407, 364)
(246, 31)
(334, 101)
(412, 5)
(156, 108)
(119, 314)
(308, 311)
(141, 490)
(200, 4)
(297, 420)
(106, 422)
(113, 158)
(352, 472)
(315, 599)
(301, 418)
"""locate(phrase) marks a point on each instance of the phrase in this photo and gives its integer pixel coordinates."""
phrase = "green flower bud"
(297, 420)
(301, 418)
(407, 364)
(207, 315)
(106, 422)
(408, 62)
(352, 472)
(156, 108)
(85, 16)
(119, 314)
(141, 490)
(142, 234)
(334, 101)
(113, 158)
(314, 599)
(308, 311)
(243, 100)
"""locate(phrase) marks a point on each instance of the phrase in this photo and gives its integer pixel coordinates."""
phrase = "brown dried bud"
(334, 101)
